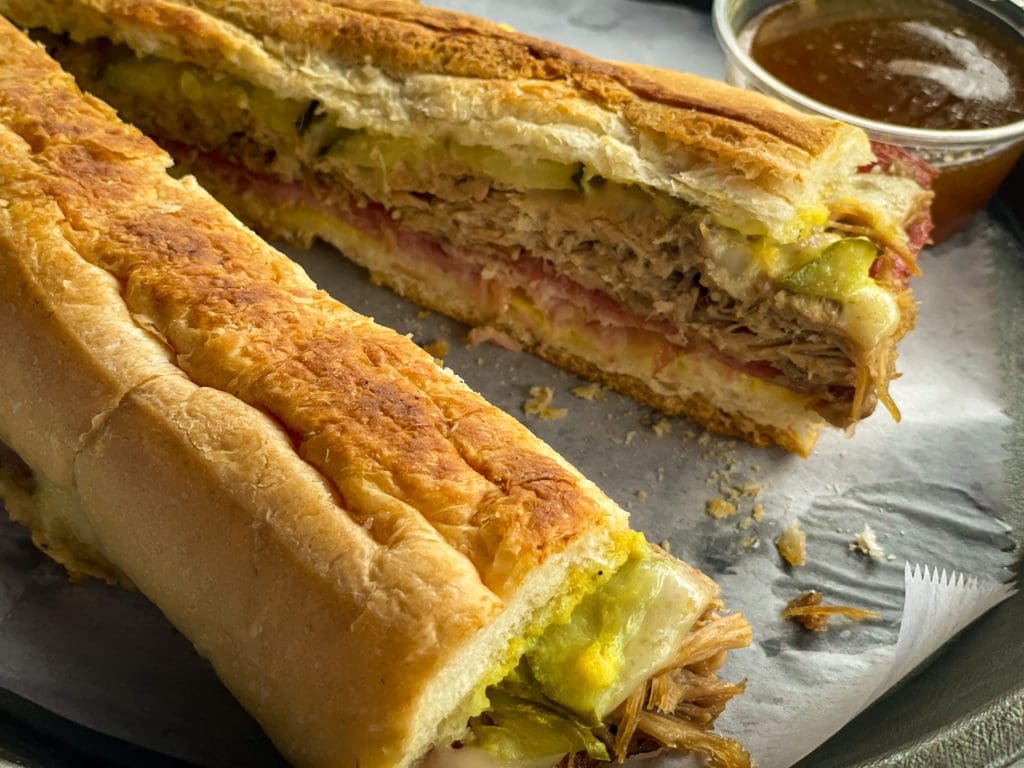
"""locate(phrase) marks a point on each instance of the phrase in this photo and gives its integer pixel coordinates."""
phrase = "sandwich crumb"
(720, 509)
(750, 542)
(539, 405)
(758, 512)
(486, 333)
(866, 542)
(439, 349)
(630, 436)
(666, 545)
(662, 427)
(792, 545)
(812, 614)
(641, 494)
(423, 314)
(592, 391)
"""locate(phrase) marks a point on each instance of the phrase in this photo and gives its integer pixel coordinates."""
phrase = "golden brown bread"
(698, 139)
(241, 317)
(759, 183)
(344, 529)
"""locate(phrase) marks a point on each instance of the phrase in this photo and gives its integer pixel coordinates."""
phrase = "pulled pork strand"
(632, 708)
(677, 734)
(678, 706)
(717, 634)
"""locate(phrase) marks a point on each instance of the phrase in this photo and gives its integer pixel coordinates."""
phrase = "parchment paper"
(932, 488)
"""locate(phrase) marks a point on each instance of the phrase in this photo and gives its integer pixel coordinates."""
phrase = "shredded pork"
(809, 611)
(676, 708)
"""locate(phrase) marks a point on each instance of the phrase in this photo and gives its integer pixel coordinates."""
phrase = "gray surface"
(963, 710)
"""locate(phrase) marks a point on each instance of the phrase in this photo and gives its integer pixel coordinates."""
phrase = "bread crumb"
(745, 523)
(641, 494)
(720, 509)
(630, 436)
(439, 349)
(792, 545)
(662, 427)
(539, 405)
(704, 438)
(750, 542)
(751, 490)
(758, 512)
(485, 333)
(666, 545)
(866, 542)
(812, 614)
(423, 314)
(589, 392)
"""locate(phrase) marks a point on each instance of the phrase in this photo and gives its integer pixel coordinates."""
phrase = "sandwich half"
(382, 567)
(706, 250)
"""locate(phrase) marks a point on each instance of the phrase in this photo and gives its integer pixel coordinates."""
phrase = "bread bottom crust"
(695, 407)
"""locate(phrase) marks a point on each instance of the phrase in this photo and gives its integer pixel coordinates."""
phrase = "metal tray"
(964, 709)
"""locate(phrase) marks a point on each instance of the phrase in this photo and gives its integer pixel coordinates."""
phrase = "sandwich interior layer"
(523, 304)
(818, 315)
(562, 690)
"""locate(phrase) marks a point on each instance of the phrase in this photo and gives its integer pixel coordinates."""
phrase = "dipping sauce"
(919, 63)
(931, 64)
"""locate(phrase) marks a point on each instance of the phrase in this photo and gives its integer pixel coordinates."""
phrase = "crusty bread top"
(404, 37)
(338, 523)
(404, 442)
(738, 153)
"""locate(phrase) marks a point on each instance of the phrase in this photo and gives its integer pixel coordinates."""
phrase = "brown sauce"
(922, 63)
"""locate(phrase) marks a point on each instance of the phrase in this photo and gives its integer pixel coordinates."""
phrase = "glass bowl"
(971, 163)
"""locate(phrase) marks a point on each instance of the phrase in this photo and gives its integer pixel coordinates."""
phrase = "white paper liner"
(932, 487)
(781, 726)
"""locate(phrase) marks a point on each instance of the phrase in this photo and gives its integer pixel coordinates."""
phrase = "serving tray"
(965, 708)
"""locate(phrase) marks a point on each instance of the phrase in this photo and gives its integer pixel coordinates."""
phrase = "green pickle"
(840, 271)
(522, 727)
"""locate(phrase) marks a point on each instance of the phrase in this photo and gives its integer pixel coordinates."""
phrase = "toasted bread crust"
(403, 38)
(751, 141)
(331, 517)
(242, 318)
